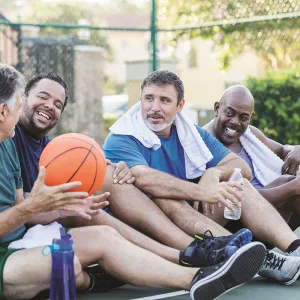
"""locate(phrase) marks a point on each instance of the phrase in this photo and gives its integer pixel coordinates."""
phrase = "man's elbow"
(247, 173)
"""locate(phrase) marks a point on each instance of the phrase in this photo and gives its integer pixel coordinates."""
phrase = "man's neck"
(29, 133)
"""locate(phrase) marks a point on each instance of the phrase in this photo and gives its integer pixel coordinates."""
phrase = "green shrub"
(108, 121)
(277, 106)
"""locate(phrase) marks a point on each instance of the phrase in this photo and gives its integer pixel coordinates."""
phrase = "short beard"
(159, 127)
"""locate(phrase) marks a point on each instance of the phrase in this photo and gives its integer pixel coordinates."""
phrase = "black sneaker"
(101, 281)
(211, 282)
(239, 239)
(196, 256)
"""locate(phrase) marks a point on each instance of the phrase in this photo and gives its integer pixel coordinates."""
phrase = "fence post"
(88, 87)
(154, 36)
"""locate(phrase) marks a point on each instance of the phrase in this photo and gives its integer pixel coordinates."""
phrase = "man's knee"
(105, 232)
(108, 180)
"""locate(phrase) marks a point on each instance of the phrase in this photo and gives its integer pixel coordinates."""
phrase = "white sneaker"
(294, 253)
(280, 267)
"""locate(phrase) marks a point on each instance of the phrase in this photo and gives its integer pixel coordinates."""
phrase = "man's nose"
(156, 106)
(235, 120)
(49, 105)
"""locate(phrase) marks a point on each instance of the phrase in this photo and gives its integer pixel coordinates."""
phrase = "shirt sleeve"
(124, 147)
(217, 149)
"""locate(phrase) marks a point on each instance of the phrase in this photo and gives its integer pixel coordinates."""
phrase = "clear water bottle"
(62, 285)
(236, 213)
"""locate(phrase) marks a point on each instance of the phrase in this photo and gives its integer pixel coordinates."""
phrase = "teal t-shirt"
(10, 181)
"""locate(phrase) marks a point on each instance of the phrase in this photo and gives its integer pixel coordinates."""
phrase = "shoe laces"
(209, 242)
(273, 261)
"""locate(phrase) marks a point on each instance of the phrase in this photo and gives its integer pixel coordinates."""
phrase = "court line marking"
(163, 296)
(178, 293)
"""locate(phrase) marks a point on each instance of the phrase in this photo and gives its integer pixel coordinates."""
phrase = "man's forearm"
(227, 168)
(44, 218)
(14, 217)
(163, 185)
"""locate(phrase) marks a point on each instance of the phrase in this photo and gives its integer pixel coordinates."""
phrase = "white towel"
(37, 236)
(267, 165)
(196, 153)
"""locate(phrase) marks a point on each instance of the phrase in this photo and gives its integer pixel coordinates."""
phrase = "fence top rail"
(145, 29)
(70, 26)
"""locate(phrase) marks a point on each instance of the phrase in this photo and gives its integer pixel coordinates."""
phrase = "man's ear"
(3, 111)
(216, 108)
(180, 105)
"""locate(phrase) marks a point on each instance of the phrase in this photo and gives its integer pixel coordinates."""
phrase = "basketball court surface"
(258, 288)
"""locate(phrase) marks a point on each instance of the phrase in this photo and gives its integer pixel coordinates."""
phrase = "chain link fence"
(211, 44)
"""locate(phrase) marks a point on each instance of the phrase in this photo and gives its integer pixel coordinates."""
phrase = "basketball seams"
(81, 163)
(96, 169)
(82, 140)
(60, 154)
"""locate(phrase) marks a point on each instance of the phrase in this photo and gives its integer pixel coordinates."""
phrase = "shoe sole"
(240, 268)
(241, 238)
(295, 277)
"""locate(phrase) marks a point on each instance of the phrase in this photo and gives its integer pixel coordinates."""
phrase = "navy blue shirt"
(29, 150)
(168, 158)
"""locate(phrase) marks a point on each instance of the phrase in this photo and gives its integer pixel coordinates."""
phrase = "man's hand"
(209, 177)
(218, 193)
(86, 209)
(292, 161)
(48, 198)
(121, 173)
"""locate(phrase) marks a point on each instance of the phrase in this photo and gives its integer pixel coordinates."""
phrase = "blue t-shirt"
(29, 151)
(168, 158)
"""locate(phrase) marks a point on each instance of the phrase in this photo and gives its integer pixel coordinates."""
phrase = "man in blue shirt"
(161, 173)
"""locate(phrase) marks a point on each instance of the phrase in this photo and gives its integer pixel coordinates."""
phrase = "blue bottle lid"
(64, 243)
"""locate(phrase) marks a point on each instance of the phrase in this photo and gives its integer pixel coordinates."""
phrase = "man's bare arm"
(226, 166)
(163, 185)
(16, 216)
(290, 154)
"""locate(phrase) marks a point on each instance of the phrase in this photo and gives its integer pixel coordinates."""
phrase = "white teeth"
(231, 131)
(43, 115)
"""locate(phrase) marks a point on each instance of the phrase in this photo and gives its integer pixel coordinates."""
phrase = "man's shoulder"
(112, 138)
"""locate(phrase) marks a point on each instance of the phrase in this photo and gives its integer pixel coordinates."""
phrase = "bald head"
(233, 114)
(238, 94)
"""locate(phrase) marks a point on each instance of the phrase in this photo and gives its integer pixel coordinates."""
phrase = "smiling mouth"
(230, 131)
(43, 115)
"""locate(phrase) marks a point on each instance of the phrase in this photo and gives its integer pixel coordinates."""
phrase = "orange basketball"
(74, 157)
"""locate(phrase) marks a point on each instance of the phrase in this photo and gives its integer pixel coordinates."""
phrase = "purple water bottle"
(62, 285)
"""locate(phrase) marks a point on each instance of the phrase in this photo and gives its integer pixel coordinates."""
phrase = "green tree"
(277, 105)
(276, 42)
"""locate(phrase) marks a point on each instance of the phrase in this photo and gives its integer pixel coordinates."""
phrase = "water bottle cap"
(237, 170)
(65, 243)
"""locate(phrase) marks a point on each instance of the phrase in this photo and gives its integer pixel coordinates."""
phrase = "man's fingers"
(235, 192)
(212, 208)
(41, 175)
(99, 198)
(119, 167)
(74, 195)
(67, 186)
(205, 208)
(293, 168)
(97, 206)
(108, 162)
(131, 180)
(196, 205)
(127, 176)
(236, 185)
(233, 199)
(285, 166)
